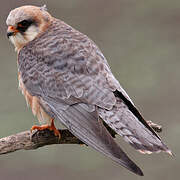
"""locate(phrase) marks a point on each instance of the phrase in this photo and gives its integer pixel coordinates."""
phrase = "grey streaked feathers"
(70, 74)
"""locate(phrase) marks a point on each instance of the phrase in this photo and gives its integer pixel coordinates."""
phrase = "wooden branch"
(26, 140)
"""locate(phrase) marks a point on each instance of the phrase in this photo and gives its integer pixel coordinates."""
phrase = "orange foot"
(46, 126)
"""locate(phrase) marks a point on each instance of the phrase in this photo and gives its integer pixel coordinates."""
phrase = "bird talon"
(46, 126)
(57, 133)
(40, 128)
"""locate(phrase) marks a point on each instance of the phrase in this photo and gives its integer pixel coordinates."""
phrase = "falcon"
(64, 76)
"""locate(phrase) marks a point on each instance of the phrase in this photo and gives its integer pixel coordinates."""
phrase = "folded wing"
(86, 126)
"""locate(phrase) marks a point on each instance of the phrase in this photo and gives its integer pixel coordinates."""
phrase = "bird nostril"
(10, 34)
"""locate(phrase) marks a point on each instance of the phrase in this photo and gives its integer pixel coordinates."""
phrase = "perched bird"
(64, 76)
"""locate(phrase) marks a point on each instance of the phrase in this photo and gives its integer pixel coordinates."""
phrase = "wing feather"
(87, 128)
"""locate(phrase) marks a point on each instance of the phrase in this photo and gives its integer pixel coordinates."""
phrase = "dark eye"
(23, 25)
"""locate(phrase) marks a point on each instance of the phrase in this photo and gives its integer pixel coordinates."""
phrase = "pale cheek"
(18, 40)
(31, 33)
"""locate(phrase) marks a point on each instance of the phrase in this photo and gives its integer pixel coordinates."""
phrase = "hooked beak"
(11, 31)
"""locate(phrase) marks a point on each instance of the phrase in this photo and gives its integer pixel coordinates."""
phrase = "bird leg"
(47, 126)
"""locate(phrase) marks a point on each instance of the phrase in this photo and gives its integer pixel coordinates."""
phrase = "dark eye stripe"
(23, 25)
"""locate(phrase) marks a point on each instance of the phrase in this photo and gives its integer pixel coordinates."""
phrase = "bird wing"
(89, 129)
(63, 66)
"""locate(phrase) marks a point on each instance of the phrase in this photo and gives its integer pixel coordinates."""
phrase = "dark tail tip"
(138, 171)
(135, 169)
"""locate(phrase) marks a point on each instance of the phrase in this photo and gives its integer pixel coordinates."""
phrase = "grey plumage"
(70, 75)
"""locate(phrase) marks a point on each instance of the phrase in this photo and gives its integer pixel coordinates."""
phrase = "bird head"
(26, 23)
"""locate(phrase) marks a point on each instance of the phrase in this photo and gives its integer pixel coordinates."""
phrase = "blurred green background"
(141, 40)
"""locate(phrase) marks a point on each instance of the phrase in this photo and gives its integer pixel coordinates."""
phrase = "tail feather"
(126, 121)
(136, 113)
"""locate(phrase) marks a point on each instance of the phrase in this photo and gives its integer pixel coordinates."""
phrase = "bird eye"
(23, 25)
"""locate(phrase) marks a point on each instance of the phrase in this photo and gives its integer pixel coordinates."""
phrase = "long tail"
(126, 121)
